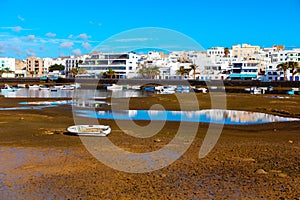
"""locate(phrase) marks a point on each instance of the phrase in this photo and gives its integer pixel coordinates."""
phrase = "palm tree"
(143, 72)
(181, 71)
(110, 73)
(32, 73)
(74, 71)
(283, 67)
(153, 71)
(193, 67)
(82, 71)
(294, 68)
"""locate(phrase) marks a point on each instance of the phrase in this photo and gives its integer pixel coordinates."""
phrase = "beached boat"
(89, 130)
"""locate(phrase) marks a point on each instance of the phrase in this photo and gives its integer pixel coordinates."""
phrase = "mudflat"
(40, 161)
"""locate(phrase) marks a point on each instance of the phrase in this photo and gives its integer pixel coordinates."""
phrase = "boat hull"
(90, 130)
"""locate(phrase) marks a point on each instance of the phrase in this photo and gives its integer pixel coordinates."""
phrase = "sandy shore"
(39, 161)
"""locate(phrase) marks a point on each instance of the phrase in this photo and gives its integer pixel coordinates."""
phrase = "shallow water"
(229, 117)
(35, 93)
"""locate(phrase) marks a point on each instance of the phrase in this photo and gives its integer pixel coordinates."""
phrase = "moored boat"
(89, 130)
(114, 87)
(34, 87)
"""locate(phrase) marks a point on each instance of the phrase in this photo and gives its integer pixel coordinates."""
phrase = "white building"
(8, 63)
(123, 64)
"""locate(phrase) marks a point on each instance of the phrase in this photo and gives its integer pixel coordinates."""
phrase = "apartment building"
(35, 67)
(244, 50)
(123, 64)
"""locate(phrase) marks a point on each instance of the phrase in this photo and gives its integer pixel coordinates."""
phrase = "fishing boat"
(89, 130)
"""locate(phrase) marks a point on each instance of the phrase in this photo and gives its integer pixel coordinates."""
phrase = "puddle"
(37, 105)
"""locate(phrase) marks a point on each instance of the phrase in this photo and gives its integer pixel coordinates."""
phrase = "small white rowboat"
(89, 130)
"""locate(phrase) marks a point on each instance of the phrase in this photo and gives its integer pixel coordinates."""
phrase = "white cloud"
(2, 48)
(30, 37)
(132, 39)
(21, 18)
(83, 36)
(70, 36)
(76, 52)
(66, 45)
(86, 45)
(15, 28)
(30, 52)
(51, 35)
(93, 23)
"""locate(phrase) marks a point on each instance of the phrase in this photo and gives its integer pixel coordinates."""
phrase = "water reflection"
(231, 117)
(36, 93)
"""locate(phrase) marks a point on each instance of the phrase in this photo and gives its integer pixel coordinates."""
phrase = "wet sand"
(39, 161)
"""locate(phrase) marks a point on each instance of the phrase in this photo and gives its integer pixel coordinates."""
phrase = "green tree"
(193, 67)
(226, 52)
(153, 71)
(74, 71)
(82, 71)
(283, 67)
(181, 71)
(110, 73)
(294, 68)
(142, 72)
(54, 67)
(32, 73)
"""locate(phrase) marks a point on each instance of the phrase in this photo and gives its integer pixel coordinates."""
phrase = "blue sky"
(61, 28)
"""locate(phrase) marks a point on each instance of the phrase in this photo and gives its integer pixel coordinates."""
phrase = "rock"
(164, 175)
(157, 140)
(291, 141)
(261, 171)
(275, 171)
(21, 118)
(282, 175)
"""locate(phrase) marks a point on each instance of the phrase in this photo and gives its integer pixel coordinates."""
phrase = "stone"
(261, 171)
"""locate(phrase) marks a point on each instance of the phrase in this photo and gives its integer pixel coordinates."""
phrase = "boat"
(68, 87)
(89, 130)
(34, 87)
(200, 90)
(20, 85)
(8, 88)
(43, 87)
(114, 87)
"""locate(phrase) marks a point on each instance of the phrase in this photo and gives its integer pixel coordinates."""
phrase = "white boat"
(68, 87)
(89, 130)
(115, 87)
(34, 87)
(8, 88)
(43, 87)
(136, 87)
(20, 85)
(58, 87)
